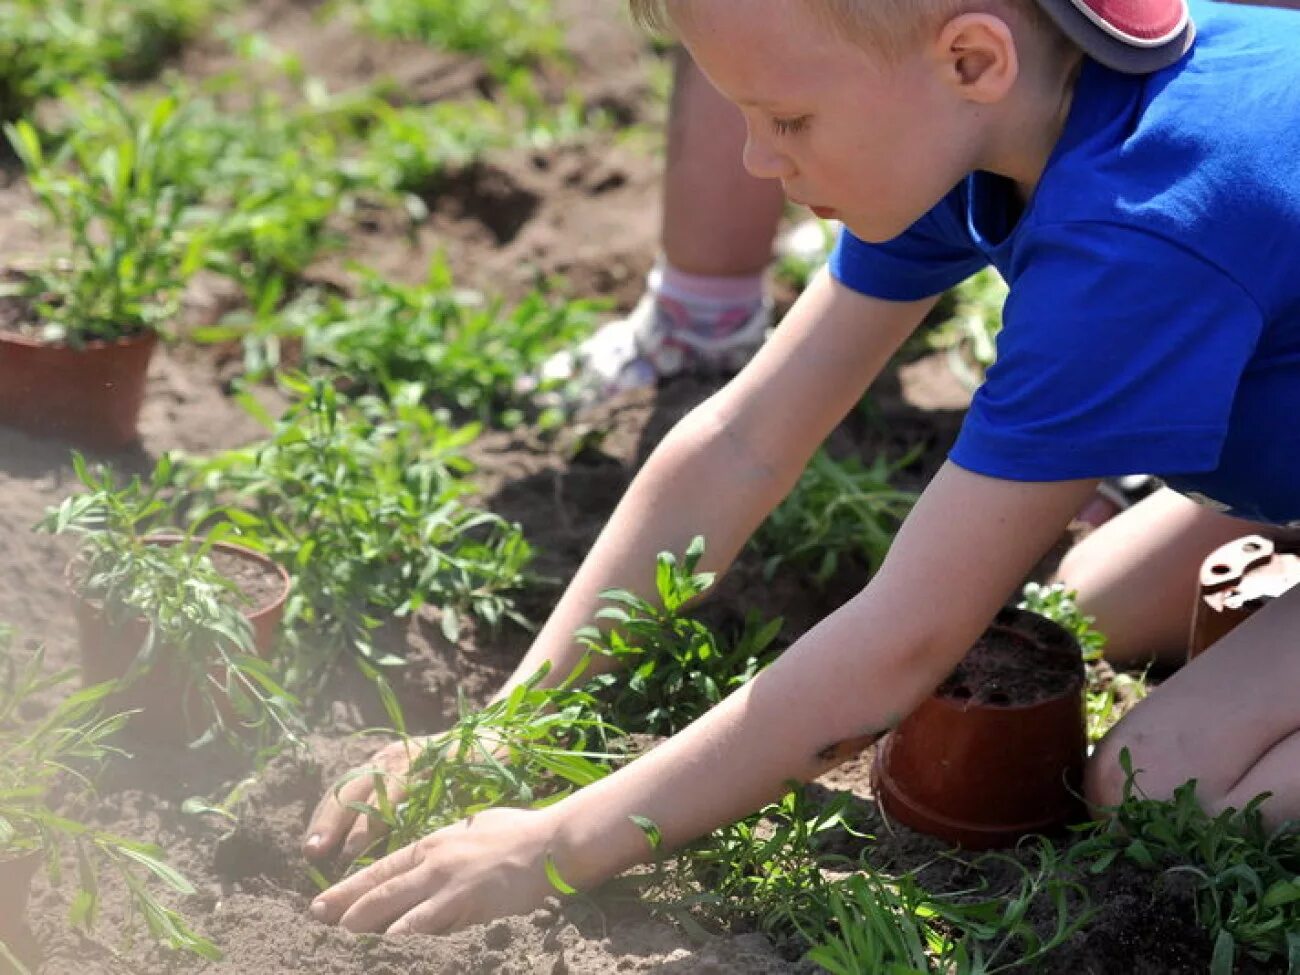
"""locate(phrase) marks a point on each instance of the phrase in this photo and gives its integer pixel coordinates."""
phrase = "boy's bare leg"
(1137, 574)
(717, 219)
(1230, 720)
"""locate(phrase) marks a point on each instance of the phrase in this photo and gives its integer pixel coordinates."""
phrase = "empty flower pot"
(89, 396)
(1235, 582)
(170, 704)
(997, 752)
(16, 875)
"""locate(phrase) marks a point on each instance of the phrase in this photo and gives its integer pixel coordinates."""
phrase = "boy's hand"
(333, 822)
(482, 868)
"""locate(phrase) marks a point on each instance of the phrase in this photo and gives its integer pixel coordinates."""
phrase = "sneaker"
(658, 340)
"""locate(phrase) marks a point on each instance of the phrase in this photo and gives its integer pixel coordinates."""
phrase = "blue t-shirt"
(1153, 322)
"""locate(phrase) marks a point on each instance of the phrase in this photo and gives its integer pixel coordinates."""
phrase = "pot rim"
(248, 554)
(145, 337)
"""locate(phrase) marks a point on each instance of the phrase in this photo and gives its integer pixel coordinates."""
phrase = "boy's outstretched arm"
(718, 473)
(965, 548)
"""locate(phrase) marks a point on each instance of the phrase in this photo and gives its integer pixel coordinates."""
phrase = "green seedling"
(191, 610)
(131, 251)
(679, 668)
(838, 510)
(62, 749)
(506, 33)
(469, 355)
(364, 502)
(968, 333)
(528, 750)
(1244, 875)
(893, 924)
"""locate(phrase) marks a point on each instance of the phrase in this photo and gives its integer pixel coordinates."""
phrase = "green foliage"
(679, 668)
(468, 355)
(363, 501)
(969, 330)
(131, 252)
(838, 509)
(48, 43)
(36, 755)
(505, 33)
(1244, 876)
(193, 613)
(527, 750)
(894, 925)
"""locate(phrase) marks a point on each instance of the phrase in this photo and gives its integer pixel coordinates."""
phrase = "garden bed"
(584, 209)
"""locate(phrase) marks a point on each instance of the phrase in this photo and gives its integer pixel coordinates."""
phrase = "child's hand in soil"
(485, 867)
(334, 822)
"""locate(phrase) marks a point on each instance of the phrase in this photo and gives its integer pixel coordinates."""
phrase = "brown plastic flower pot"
(170, 705)
(16, 875)
(1236, 581)
(997, 752)
(89, 396)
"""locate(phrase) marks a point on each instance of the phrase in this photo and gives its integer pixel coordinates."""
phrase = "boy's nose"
(762, 162)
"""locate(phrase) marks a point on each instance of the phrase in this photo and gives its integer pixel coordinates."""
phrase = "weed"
(838, 509)
(38, 755)
(1244, 876)
(679, 668)
(191, 610)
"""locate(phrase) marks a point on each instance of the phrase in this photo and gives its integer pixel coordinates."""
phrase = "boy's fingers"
(332, 818)
(364, 832)
(428, 917)
(336, 902)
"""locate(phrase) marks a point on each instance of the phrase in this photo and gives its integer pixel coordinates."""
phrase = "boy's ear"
(977, 57)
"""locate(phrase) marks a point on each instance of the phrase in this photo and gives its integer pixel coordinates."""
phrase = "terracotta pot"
(1235, 582)
(16, 877)
(89, 396)
(973, 767)
(169, 703)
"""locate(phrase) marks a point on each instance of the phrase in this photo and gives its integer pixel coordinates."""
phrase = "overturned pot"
(997, 752)
(16, 875)
(1236, 581)
(165, 694)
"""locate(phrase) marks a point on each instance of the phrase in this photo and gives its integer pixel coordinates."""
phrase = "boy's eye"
(789, 126)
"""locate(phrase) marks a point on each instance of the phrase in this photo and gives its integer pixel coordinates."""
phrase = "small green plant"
(1246, 877)
(893, 924)
(468, 354)
(506, 33)
(679, 668)
(1060, 605)
(59, 749)
(131, 252)
(363, 501)
(527, 750)
(839, 509)
(192, 612)
(969, 333)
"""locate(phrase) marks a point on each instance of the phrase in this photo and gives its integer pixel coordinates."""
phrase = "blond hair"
(887, 27)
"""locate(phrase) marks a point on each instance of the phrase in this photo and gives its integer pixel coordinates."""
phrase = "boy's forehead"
(759, 51)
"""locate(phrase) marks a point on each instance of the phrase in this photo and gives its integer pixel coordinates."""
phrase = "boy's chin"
(872, 231)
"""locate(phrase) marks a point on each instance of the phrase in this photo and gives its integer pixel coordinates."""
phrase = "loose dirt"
(588, 213)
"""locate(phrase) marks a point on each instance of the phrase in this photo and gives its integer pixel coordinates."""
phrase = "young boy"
(1143, 201)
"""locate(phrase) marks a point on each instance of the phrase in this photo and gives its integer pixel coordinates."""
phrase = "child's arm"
(718, 473)
(967, 545)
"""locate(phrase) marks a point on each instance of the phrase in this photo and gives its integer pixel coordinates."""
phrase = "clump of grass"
(1245, 877)
(678, 667)
(61, 749)
(838, 510)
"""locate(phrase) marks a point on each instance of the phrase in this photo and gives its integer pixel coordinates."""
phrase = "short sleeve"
(928, 258)
(1121, 352)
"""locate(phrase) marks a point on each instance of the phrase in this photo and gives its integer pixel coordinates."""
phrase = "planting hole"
(999, 698)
